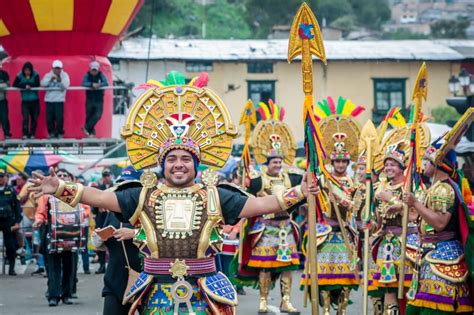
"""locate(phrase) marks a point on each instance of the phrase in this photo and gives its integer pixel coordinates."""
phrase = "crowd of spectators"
(55, 82)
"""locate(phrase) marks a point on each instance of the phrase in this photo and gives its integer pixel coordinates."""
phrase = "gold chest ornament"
(178, 213)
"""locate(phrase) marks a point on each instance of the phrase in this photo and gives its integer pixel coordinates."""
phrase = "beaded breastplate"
(382, 207)
(272, 185)
(179, 223)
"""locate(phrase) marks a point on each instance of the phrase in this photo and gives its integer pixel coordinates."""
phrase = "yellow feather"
(348, 108)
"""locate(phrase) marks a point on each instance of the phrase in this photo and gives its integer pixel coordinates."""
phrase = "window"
(260, 67)
(115, 64)
(388, 93)
(261, 91)
(198, 66)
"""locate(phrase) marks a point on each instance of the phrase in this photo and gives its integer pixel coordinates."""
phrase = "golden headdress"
(338, 127)
(272, 137)
(397, 141)
(172, 115)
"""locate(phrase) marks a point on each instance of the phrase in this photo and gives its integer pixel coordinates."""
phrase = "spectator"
(4, 83)
(26, 80)
(93, 79)
(10, 218)
(59, 80)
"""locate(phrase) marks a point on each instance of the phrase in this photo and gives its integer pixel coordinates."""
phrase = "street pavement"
(24, 295)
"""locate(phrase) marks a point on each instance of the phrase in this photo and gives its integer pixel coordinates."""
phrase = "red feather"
(331, 104)
(357, 111)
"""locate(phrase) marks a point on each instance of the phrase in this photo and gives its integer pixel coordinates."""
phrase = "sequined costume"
(269, 243)
(337, 261)
(444, 261)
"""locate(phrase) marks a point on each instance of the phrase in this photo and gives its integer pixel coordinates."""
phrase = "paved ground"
(24, 295)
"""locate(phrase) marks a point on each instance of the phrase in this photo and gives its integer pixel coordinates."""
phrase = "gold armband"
(290, 197)
(69, 192)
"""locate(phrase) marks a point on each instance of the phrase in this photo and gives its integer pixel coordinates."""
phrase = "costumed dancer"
(269, 242)
(444, 260)
(178, 126)
(64, 239)
(337, 248)
(386, 241)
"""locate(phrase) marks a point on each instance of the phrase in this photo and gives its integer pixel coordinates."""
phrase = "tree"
(450, 28)
(331, 10)
(444, 114)
(371, 13)
(404, 34)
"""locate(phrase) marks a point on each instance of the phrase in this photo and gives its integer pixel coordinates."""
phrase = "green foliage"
(450, 28)
(252, 18)
(371, 13)
(346, 23)
(404, 34)
(184, 18)
(442, 114)
(331, 10)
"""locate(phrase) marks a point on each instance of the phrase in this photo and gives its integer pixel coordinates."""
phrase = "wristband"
(289, 198)
(69, 193)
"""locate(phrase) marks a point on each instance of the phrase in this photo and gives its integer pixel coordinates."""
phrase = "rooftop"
(276, 49)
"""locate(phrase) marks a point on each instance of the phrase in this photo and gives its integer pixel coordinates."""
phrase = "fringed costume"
(269, 243)
(445, 271)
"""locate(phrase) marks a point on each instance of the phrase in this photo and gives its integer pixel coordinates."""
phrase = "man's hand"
(311, 189)
(232, 235)
(95, 85)
(384, 196)
(44, 185)
(15, 227)
(124, 234)
(37, 224)
(27, 87)
(409, 199)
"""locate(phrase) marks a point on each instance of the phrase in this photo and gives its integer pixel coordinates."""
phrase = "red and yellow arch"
(64, 27)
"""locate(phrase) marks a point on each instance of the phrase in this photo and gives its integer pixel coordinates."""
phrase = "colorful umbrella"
(24, 161)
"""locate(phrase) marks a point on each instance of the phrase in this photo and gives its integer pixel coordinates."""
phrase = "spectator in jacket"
(58, 80)
(93, 79)
(4, 83)
(30, 108)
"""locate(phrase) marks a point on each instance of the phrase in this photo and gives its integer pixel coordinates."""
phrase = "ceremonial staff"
(369, 140)
(249, 119)
(306, 40)
(420, 92)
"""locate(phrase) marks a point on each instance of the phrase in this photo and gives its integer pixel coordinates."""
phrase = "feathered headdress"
(272, 137)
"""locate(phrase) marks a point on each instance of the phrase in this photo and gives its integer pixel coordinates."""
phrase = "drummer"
(59, 256)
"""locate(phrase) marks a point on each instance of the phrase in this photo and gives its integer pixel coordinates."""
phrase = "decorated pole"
(249, 119)
(420, 92)
(370, 140)
(306, 40)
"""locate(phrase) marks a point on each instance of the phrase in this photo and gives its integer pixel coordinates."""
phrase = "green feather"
(174, 78)
(325, 107)
(340, 105)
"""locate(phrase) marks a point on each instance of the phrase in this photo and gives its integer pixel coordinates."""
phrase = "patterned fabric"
(334, 264)
(265, 252)
(385, 270)
(159, 301)
(440, 294)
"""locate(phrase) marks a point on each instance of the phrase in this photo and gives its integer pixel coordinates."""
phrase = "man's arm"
(103, 80)
(93, 197)
(256, 206)
(100, 199)
(86, 82)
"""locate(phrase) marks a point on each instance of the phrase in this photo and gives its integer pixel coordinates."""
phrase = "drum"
(67, 231)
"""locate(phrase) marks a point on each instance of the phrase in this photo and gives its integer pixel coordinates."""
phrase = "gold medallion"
(178, 269)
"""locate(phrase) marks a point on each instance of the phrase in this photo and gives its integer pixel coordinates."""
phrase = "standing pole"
(369, 139)
(306, 40)
(419, 92)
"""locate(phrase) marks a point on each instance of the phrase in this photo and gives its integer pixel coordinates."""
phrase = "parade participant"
(123, 255)
(337, 251)
(100, 215)
(269, 247)
(443, 286)
(65, 237)
(10, 218)
(178, 126)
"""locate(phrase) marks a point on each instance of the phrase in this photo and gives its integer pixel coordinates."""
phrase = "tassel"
(466, 191)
